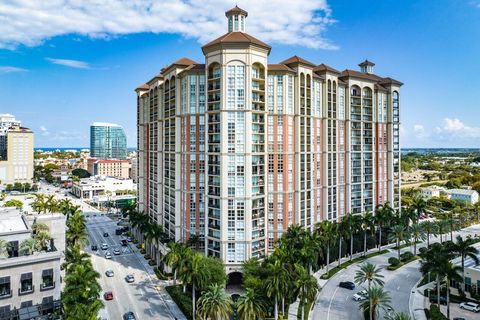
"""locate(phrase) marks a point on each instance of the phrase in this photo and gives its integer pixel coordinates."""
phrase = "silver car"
(360, 296)
(470, 306)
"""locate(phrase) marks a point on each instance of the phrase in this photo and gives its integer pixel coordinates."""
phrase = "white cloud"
(456, 128)
(70, 63)
(30, 22)
(10, 69)
(44, 131)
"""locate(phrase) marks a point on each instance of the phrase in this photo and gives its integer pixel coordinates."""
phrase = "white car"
(360, 296)
(470, 306)
(108, 255)
(104, 246)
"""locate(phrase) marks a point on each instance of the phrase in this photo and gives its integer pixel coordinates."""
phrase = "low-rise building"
(30, 281)
(109, 167)
(464, 195)
(472, 274)
(87, 188)
(432, 191)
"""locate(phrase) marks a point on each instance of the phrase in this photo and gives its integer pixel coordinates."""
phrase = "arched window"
(355, 91)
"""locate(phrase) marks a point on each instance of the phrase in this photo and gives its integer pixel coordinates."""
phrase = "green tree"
(277, 282)
(306, 286)
(378, 298)
(419, 205)
(465, 249)
(399, 316)
(399, 234)
(195, 275)
(42, 240)
(80, 173)
(14, 203)
(369, 273)
(3, 249)
(429, 228)
(76, 233)
(452, 273)
(215, 303)
(351, 224)
(383, 217)
(251, 306)
(176, 257)
(39, 227)
(417, 233)
(327, 232)
(27, 246)
(367, 226)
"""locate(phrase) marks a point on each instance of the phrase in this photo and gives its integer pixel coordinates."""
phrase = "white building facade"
(235, 150)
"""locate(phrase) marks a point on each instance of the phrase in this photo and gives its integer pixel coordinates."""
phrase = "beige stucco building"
(16, 163)
(109, 167)
(236, 149)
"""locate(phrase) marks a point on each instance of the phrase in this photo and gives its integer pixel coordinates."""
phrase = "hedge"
(183, 300)
(434, 313)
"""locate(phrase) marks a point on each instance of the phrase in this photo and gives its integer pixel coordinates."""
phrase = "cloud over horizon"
(70, 63)
(31, 22)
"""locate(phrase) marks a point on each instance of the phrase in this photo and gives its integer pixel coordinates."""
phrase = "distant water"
(72, 148)
(425, 151)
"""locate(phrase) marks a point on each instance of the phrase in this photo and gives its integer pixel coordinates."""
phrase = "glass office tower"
(107, 141)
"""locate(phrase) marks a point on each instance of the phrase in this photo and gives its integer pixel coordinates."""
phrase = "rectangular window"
(26, 283)
(47, 279)
(5, 287)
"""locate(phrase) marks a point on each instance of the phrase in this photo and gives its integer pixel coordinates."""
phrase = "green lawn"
(344, 265)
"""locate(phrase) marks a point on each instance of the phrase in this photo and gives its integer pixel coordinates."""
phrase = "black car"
(347, 285)
(94, 247)
(129, 316)
(443, 300)
(124, 242)
(118, 231)
(105, 234)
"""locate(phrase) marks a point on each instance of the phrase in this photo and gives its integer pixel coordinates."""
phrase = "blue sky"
(65, 65)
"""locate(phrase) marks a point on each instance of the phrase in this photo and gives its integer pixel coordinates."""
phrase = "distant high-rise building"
(16, 151)
(107, 141)
(234, 150)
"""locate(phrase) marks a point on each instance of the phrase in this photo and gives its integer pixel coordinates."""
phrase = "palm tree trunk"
(415, 246)
(398, 248)
(448, 299)
(370, 310)
(438, 290)
(328, 256)
(351, 246)
(283, 306)
(276, 308)
(301, 306)
(463, 274)
(193, 300)
(380, 238)
(175, 277)
(364, 243)
(428, 239)
(339, 251)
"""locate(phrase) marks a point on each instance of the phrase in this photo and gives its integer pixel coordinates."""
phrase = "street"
(141, 297)
(335, 303)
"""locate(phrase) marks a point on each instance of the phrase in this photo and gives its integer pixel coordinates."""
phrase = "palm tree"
(419, 205)
(3, 249)
(383, 216)
(367, 225)
(399, 234)
(327, 231)
(442, 227)
(465, 249)
(429, 228)
(39, 227)
(39, 205)
(416, 232)
(195, 274)
(27, 246)
(352, 224)
(451, 272)
(309, 252)
(74, 256)
(306, 285)
(342, 231)
(371, 274)
(215, 303)
(42, 240)
(399, 316)
(378, 299)
(52, 203)
(251, 306)
(176, 257)
(433, 261)
(277, 282)
(77, 234)
(153, 233)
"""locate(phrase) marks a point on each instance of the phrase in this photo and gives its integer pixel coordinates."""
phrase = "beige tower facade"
(16, 164)
(234, 150)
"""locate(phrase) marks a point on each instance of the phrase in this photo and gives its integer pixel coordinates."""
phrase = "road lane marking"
(330, 304)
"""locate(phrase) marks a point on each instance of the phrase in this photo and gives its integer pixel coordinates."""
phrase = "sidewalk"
(159, 286)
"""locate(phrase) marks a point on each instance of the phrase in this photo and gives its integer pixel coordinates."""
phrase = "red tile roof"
(279, 67)
(297, 60)
(322, 68)
(237, 37)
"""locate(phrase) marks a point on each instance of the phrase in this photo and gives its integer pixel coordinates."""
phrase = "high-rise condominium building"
(16, 151)
(107, 141)
(235, 150)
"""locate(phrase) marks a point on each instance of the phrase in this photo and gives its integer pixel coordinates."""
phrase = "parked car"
(347, 285)
(116, 252)
(129, 239)
(105, 234)
(94, 247)
(360, 296)
(104, 246)
(459, 318)
(124, 242)
(118, 231)
(108, 295)
(130, 278)
(129, 316)
(109, 273)
(443, 300)
(108, 255)
(470, 306)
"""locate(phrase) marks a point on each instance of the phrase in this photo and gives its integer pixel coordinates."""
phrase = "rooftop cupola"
(236, 19)
(366, 66)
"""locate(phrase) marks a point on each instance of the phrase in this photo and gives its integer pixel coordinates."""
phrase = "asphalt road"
(141, 297)
(335, 303)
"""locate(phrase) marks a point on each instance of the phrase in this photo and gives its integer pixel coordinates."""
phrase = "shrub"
(406, 256)
(422, 250)
(434, 313)
(152, 262)
(147, 256)
(393, 261)
(183, 300)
